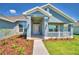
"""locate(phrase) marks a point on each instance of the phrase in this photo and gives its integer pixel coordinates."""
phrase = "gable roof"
(37, 9)
(58, 11)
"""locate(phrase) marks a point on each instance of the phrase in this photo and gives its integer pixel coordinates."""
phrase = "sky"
(15, 9)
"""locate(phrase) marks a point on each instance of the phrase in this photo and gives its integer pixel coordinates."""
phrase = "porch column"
(58, 31)
(71, 30)
(29, 27)
(45, 27)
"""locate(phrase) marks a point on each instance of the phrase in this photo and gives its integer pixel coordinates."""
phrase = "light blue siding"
(61, 28)
(55, 20)
(76, 29)
(37, 13)
(6, 28)
(24, 24)
(6, 24)
(58, 16)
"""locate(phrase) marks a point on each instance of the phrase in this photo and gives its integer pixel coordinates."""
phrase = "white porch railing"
(59, 34)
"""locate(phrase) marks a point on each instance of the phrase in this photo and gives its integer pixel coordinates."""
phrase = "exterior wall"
(76, 29)
(6, 28)
(16, 29)
(6, 24)
(61, 27)
(37, 13)
(24, 22)
(58, 16)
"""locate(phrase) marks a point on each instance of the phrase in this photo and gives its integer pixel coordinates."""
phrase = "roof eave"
(60, 12)
(40, 9)
(6, 19)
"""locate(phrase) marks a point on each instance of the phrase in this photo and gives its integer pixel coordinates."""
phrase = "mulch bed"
(16, 45)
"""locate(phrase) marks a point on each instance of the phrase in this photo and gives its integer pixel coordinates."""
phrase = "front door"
(36, 28)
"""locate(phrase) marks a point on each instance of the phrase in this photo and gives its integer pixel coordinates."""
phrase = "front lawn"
(63, 47)
(76, 37)
(16, 45)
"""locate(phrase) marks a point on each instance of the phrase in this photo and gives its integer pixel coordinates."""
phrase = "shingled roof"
(13, 18)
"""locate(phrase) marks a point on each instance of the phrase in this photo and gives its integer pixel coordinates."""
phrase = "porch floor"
(36, 37)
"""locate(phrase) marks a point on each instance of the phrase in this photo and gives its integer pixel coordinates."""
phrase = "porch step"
(37, 37)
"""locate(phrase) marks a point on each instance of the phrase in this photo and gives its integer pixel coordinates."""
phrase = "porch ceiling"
(37, 19)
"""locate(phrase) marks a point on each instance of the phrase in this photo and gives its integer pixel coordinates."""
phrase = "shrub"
(21, 50)
(14, 46)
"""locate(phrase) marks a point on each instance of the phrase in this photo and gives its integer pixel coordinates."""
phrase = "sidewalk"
(39, 48)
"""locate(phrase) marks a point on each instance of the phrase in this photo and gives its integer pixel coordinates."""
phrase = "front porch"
(59, 30)
(59, 35)
(46, 26)
(45, 30)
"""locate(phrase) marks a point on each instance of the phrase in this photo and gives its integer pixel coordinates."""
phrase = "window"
(61, 28)
(69, 27)
(20, 28)
(65, 27)
(53, 28)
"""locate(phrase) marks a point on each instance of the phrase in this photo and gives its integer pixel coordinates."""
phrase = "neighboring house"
(76, 28)
(46, 21)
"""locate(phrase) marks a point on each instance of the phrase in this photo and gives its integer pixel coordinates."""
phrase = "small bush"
(14, 46)
(21, 50)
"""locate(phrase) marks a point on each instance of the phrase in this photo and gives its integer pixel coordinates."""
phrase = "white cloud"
(12, 11)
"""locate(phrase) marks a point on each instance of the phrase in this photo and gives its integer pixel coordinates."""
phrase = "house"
(46, 21)
(76, 27)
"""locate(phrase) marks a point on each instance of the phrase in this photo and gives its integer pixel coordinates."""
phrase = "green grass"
(63, 47)
(76, 37)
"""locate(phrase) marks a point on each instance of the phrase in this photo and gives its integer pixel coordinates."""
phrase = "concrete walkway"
(39, 48)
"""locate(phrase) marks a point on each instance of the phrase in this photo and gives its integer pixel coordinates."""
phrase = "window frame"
(66, 28)
(53, 29)
(21, 29)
